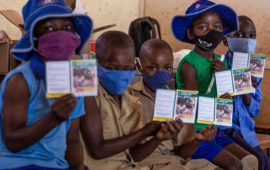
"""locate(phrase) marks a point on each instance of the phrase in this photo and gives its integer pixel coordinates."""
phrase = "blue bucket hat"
(37, 10)
(181, 23)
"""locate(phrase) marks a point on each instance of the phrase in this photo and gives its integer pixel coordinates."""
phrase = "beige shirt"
(186, 135)
(117, 121)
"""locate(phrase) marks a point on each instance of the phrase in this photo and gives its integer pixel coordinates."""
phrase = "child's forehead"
(115, 54)
(154, 53)
(55, 19)
(246, 24)
(206, 15)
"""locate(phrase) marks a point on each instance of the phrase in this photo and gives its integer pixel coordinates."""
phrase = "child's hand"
(226, 96)
(63, 106)
(151, 128)
(207, 134)
(218, 65)
(254, 81)
(169, 130)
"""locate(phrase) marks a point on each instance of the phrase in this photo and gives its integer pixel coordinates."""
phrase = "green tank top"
(204, 73)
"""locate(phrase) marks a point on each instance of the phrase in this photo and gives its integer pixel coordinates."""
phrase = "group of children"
(116, 125)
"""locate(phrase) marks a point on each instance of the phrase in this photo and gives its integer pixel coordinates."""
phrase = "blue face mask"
(115, 81)
(157, 81)
(244, 45)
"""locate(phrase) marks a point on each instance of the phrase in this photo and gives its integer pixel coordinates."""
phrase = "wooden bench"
(262, 127)
(264, 142)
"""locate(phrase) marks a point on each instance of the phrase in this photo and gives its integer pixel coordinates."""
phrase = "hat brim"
(181, 23)
(83, 26)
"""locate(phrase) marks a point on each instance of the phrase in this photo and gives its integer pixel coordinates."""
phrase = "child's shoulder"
(23, 69)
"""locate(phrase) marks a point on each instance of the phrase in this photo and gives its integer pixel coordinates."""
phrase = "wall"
(122, 12)
(103, 12)
(259, 11)
(13, 32)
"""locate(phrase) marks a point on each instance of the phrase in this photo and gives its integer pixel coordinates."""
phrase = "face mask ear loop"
(35, 43)
(78, 35)
(137, 59)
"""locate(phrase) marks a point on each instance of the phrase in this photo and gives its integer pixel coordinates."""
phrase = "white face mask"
(244, 45)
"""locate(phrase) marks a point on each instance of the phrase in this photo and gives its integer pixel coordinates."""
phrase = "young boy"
(204, 25)
(156, 64)
(112, 127)
(246, 106)
(37, 132)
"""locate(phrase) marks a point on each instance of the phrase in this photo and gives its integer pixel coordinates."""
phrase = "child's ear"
(190, 34)
(225, 41)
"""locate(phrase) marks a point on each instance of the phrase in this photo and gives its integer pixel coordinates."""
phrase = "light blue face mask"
(115, 81)
(244, 45)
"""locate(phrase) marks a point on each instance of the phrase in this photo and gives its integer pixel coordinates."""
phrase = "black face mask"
(209, 41)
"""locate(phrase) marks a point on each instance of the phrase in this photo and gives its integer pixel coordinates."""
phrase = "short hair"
(112, 39)
(243, 17)
(246, 18)
(153, 43)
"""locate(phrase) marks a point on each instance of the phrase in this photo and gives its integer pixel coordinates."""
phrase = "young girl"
(204, 25)
(37, 132)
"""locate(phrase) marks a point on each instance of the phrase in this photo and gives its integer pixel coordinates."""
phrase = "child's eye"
(252, 36)
(49, 28)
(129, 68)
(67, 27)
(168, 68)
(111, 68)
(239, 35)
(153, 68)
(203, 28)
(218, 27)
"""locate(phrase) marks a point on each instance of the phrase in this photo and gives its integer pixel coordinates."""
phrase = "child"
(204, 25)
(36, 132)
(246, 106)
(112, 127)
(156, 63)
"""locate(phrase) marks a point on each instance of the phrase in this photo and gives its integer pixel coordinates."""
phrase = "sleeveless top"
(50, 150)
(204, 74)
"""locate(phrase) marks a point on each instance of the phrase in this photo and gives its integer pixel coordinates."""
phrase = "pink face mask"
(58, 45)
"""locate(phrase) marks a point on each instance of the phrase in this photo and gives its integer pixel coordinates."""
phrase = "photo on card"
(257, 64)
(224, 112)
(84, 76)
(242, 82)
(186, 105)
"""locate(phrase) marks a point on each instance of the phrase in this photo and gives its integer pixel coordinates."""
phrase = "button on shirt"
(243, 114)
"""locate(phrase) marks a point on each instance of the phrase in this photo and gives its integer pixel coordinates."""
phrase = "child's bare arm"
(92, 132)
(17, 135)
(74, 153)
(206, 134)
(188, 74)
(168, 131)
(218, 65)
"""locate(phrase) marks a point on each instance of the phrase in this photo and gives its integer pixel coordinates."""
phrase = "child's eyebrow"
(202, 22)
(154, 64)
